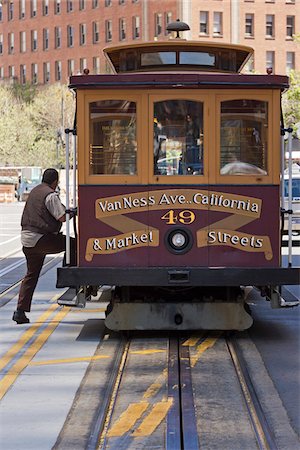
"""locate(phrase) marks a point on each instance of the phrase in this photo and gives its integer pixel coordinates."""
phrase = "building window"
(57, 6)
(46, 72)
(96, 35)
(11, 43)
(33, 8)
(270, 26)
(95, 4)
(158, 24)
(1, 44)
(57, 37)
(121, 2)
(82, 34)
(108, 30)
(122, 29)
(2, 72)
(136, 27)
(71, 67)
(22, 74)
(57, 70)
(107, 3)
(34, 73)
(218, 24)
(45, 7)
(270, 60)
(34, 40)
(22, 9)
(10, 10)
(81, 5)
(45, 39)
(204, 22)
(1, 12)
(82, 64)
(249, 25)
(22, 41)
(168, 19)
(70, 36)
(290, 61)
(69, 6)
(96, 64)
(290, 26)
(11, 71)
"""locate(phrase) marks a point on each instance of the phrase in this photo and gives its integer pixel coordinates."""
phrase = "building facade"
(45, 41)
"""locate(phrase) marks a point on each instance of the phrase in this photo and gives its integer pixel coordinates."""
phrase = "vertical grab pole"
(74, 169)
(282, 168)
(290, 196)
(67, 132)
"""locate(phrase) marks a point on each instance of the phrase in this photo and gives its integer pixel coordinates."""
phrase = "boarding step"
(72, 297)
(288, 299)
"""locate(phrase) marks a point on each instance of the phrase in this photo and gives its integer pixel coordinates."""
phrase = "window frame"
(273, 144)
(84, 100)
(188, 95)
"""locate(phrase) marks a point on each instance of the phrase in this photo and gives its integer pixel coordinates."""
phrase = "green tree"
(291, 102)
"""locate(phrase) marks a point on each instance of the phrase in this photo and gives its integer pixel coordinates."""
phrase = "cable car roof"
(178, 55)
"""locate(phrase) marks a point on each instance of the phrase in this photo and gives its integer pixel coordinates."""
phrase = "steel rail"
(173, 431)
(264, 436)
(188, 418)
(98, 435)
(12, 288)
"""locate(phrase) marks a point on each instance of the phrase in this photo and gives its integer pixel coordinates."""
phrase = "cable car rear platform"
(170, 276)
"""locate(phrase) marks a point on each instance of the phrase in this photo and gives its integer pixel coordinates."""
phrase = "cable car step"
(73, 297)
(288, 299)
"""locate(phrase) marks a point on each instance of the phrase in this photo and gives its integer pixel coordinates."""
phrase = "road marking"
(192, 341)
(12, 267)
(127, 419)
(146, 352)
(11, 353)
(86, 310)
(154, 418)
(10, 240)
(156, 386)
(68, 360)
(208, 343)
(24, 360)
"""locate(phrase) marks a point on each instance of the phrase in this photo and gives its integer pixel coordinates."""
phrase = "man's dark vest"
(36, 216)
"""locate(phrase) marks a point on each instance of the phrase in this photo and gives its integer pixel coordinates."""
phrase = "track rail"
(264, 436)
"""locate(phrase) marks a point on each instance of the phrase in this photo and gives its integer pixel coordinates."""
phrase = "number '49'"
(172, 217)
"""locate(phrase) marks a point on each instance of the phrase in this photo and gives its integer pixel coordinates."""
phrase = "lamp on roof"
(177, 27)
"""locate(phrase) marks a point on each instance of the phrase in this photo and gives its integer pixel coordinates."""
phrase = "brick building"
(45, 41)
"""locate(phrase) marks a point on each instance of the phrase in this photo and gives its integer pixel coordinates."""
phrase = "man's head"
(50, 176)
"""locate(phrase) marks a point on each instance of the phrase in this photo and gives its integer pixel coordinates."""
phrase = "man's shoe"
(20, 317)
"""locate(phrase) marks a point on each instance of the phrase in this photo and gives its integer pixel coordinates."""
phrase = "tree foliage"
(291, 102)
(32, 123)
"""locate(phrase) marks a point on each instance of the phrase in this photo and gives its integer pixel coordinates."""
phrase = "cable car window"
(178, 137)
(244, 137)
(113, 145)
(197, 58)
(158, 58)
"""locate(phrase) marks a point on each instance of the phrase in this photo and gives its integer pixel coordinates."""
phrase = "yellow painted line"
(156, 386)
(68, 360)
(146, 352)
(208, 343)
(23, 362)
(153, 419)
(12, 352)
(127, 419)
(86, 310)
(191, 342)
